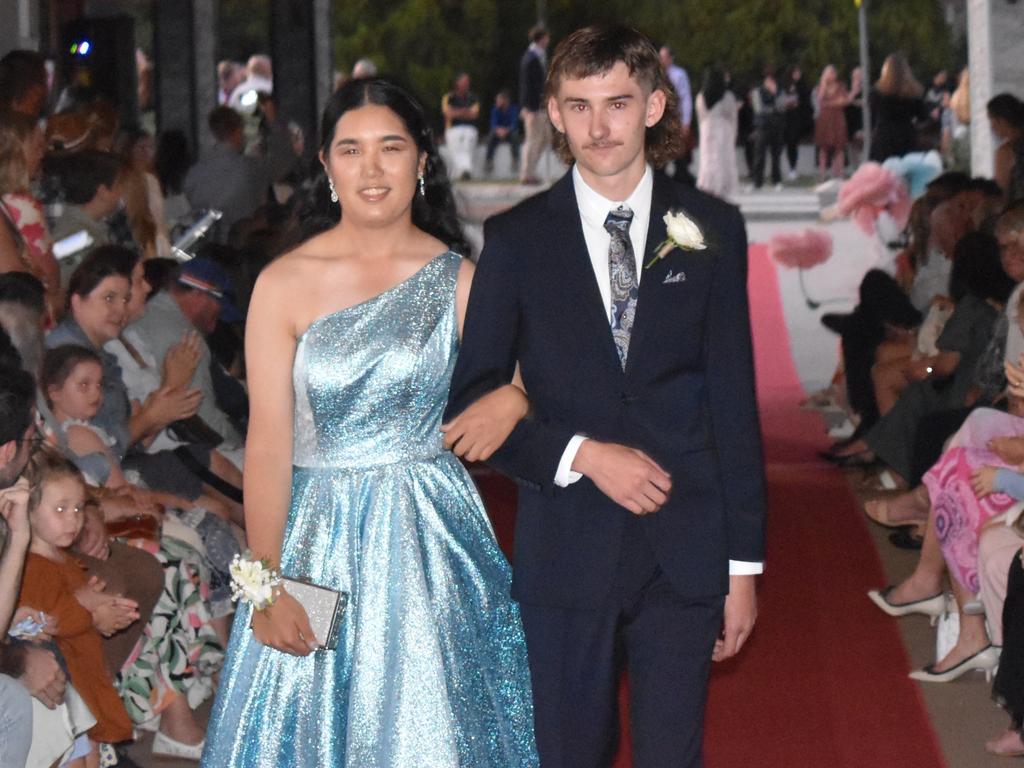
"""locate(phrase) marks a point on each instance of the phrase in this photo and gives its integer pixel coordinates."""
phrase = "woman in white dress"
(717, 115)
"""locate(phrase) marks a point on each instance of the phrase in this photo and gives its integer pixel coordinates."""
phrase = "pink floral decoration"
(871, 190)
(801, 250)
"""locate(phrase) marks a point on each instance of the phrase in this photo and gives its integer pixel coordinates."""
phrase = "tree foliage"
(426, 42)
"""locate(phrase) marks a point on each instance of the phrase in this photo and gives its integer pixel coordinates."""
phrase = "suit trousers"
(537, 139)
(663, 640)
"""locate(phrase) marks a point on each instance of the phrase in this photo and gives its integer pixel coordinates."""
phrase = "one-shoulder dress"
(431, 667)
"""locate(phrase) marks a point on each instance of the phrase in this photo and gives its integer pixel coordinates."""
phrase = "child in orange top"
(55, 583)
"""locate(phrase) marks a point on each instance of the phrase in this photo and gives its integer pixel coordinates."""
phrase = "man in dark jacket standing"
(532, 72)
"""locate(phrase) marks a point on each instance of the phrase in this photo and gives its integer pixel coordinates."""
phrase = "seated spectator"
(27, 673)
(1008, 688)
(91, 184)
(99, 294)
(24, 85)
(504, 128)
(195, 301)
(225, 179)
(55, 583)
(279, 145)
(22, 314)
(952, 206)
(143, 198)
(963, 342)
(21, 155)
(461, 108)
(1006, 115)
(172, 161)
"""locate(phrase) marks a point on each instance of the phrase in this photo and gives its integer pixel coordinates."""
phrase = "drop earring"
(423, 187)
(334, 192)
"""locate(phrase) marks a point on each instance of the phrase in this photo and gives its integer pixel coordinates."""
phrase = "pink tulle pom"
(801, 250)
(871, 190)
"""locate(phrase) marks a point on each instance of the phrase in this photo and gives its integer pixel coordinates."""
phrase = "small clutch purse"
(324, 606)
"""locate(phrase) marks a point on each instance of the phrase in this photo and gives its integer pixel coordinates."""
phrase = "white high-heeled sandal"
(165, 746)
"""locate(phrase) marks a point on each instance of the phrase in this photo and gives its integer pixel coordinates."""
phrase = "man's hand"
(625, 475)
(93, 540)
(740, 615)
(43, 677)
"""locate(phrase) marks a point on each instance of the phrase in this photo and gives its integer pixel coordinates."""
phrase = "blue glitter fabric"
(431, 666)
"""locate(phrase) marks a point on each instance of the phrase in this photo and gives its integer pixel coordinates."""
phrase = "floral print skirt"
(179, 653)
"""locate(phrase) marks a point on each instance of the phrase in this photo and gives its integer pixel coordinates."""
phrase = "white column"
(995, 46)
(21, 27)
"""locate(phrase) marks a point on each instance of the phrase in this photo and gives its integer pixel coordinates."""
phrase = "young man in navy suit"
(641, 504)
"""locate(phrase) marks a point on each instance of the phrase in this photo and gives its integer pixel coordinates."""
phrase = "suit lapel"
(570, 248)
(662, 200)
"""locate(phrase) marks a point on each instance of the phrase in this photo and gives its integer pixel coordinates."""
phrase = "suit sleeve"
(487, 360)
(732, 400)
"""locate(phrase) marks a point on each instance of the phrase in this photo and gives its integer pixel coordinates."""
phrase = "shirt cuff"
(745, 568)
(565, 476)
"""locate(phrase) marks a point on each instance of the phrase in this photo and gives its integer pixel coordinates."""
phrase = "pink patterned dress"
(959, 514)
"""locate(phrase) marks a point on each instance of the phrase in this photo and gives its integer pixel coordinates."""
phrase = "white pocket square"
(678, 277)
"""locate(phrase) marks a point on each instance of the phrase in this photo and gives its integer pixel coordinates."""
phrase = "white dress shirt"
(594, 209)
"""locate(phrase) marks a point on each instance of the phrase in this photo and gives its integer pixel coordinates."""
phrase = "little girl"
(72, 382)
(169, 672)
(55, 583)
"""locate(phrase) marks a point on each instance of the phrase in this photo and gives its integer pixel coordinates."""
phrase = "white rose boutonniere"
(682, 233)
(252, 581)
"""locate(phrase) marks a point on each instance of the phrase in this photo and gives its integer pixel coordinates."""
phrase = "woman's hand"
(1009, 449)
(181, 361)
(112, 614)
(167, 405)
(284, 626)
(477, 432)
(983, 481)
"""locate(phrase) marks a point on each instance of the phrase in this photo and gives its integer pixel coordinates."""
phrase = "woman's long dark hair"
(977, 269)
(102, 262)
(433, 211)
(714, 86)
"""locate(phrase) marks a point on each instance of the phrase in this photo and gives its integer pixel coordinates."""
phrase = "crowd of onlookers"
(123, 416)
(932, 374)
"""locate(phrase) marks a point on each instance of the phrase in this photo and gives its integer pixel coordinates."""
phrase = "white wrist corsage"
(682, 232)
(253, 581)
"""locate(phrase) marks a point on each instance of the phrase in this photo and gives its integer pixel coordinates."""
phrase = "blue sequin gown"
(431, 666)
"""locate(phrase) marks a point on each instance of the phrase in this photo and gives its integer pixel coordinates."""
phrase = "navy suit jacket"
(686, 397)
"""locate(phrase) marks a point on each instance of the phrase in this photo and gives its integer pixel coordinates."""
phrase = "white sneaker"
(778, 187)
(792, 175)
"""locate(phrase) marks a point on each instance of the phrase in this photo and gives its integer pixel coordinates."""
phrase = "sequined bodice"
(371, 381)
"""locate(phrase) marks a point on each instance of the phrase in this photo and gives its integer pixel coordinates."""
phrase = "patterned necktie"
(622, 270)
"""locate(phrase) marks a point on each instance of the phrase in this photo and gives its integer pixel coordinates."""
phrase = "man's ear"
(655, 107)
(554, 115)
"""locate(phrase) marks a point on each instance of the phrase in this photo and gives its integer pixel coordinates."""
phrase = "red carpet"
(822, 682)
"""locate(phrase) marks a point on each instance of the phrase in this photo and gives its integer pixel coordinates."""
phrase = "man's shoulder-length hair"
(596, 49)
